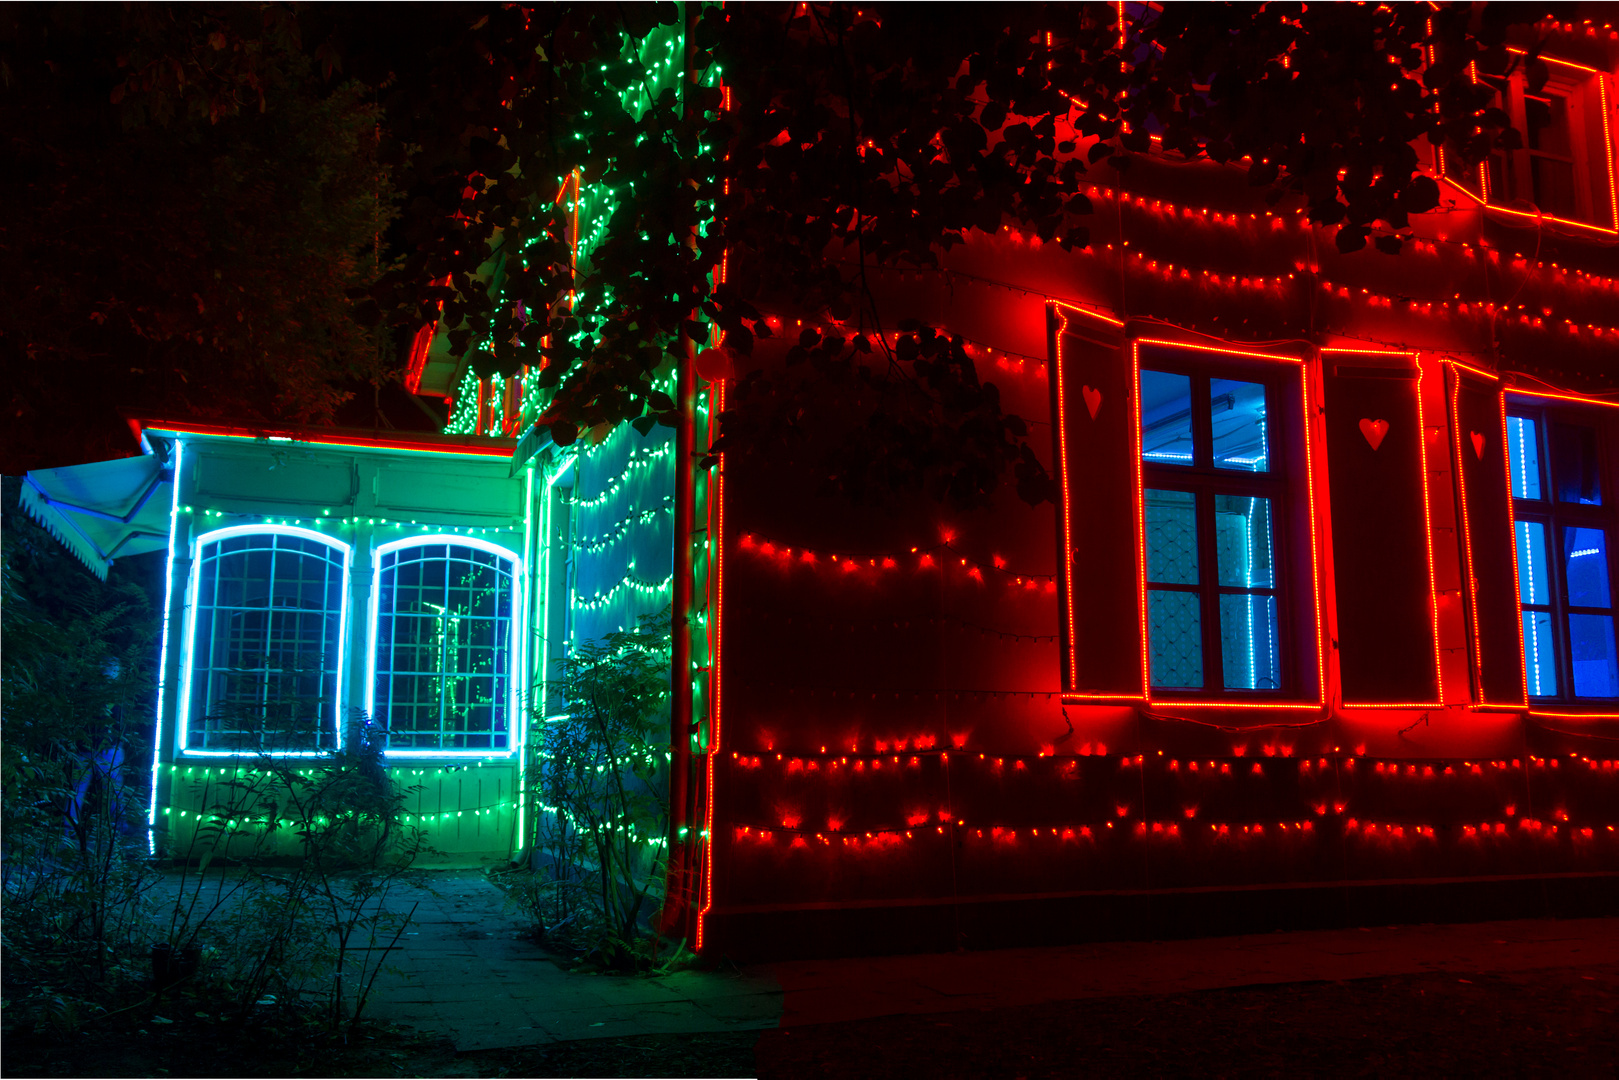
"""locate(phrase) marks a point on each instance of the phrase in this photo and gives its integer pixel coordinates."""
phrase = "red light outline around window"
(1141, 526)
(1561, 395)
(1427, 535)
(1607, 144)
(1061, 309)
(1581, 399)
(1467, 531)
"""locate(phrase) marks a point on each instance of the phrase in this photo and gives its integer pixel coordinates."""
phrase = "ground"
(1561, 1021)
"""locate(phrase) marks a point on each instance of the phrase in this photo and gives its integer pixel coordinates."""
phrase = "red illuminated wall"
(939, 728)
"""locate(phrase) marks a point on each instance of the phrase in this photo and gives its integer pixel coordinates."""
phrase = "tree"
(882, 135)
(186, 203)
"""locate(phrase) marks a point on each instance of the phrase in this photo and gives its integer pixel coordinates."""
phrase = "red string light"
(917, 558)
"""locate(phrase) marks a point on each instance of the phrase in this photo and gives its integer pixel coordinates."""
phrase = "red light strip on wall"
(716, 547)
(1467, 525)
(1141, 526)
(1138, 494)
(1561, 395)
(1066, 557)
(1062, 310)
(1427, 536)
(716, 640)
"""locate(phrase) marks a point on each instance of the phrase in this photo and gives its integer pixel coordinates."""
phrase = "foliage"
(600, 778)
(283, 888)
(200, 212)
(186, 202)
(880, 135)
(284, 882)
(75, 699)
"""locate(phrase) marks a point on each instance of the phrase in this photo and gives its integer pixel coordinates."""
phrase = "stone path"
(465, 970)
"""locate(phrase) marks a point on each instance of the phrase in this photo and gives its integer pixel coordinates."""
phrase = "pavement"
(466, 971)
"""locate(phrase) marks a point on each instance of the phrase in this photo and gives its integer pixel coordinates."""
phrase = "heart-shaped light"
(1374, 430)
(1093, 399)
(1478, 445)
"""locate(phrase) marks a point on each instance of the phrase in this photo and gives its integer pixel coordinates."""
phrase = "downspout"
(678, 893)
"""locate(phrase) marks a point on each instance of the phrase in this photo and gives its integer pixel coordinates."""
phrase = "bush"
(599, 779)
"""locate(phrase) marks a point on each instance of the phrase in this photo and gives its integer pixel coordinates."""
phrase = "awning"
(103, 510)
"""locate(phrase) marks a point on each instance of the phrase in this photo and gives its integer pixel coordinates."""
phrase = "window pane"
(1523, 450)
(1238, 413)
(264, 671)
(1166, 418)
(1546, 117)
(1554, 186)
(1248, 653)
(443, 647)
(1243, 538)
(1171, 537)
(1574, 460)
(1539, 654)
(1585, 555)
(1590, 638)
(1533, 579)
(1175, 638)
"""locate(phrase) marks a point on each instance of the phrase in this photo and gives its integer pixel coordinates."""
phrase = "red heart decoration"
(1374, 430)
(1093, 399)
(1478, 445)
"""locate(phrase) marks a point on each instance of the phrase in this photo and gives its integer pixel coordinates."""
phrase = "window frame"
(515, 646)
(187, 659)
(1555, 517)
(1585, 90)
(1283, 377)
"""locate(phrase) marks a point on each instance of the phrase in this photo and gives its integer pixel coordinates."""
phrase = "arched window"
(444, 649)
(264, 642)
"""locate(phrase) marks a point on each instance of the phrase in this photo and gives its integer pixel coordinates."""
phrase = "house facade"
(1320, 629)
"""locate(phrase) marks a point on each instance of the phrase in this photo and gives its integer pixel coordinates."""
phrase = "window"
(1563, 169)
(1213, 493)
(443, 647)
(264, 642)
(1562, 510)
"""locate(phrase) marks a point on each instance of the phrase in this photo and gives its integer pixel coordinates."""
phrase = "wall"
(901, 767)
(364, 496)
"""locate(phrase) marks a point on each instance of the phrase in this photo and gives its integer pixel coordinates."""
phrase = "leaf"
(1351, 238)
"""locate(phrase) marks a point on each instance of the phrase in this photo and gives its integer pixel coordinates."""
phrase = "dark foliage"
(185, 201)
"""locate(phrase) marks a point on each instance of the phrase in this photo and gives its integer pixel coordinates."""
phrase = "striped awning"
(103, 510)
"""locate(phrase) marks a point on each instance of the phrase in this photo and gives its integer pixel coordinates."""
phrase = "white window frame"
(187, 670)
(518, 633)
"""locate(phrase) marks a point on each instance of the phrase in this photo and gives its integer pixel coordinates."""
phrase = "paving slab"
(466, 971)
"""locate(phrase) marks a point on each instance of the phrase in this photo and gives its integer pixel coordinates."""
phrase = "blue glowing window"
(1596, 674)
(1237, 416)
(1523, 452)
(1585, 554)
(1166, 418)
(1540, 653)
(1534, 577)
(1561, 534)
